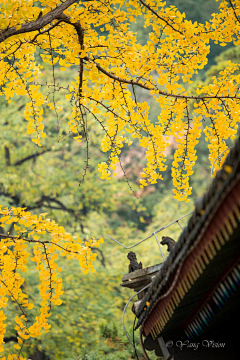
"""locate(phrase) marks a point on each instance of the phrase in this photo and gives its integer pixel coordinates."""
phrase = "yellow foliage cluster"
(39, 240)
(113, 65)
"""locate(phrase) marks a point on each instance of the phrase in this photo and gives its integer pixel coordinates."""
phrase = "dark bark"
(29, 157)
(10, 338)
(7, 155)
(37, 24)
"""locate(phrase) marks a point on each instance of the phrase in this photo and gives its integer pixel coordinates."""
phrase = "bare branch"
(7, 155)
(102, 260)
(49, 199)
(29, 157)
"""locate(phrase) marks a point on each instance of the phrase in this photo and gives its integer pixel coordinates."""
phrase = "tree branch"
(7, 155)
(37, 24)
(160, 92)
(46, 31)
(48, 198)
(159, 17)
(234, 11)
(114, 77)
(29, 157)
(102, 260)
(10, 338)
(36, 241)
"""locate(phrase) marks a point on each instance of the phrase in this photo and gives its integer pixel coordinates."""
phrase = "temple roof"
(201, 256)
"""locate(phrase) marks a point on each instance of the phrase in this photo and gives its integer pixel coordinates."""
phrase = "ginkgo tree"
(14, 252)
(107, 69)
(108, 65)
(46, 180)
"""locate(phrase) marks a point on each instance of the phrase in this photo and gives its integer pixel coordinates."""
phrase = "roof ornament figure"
(169, 242)
(134, 265)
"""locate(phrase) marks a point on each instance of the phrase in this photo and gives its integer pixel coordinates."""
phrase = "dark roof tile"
(203, 207)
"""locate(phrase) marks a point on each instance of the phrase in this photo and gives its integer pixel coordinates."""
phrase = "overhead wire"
(153, 234)
(126, 247)
(134, 323)
(124, 328)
